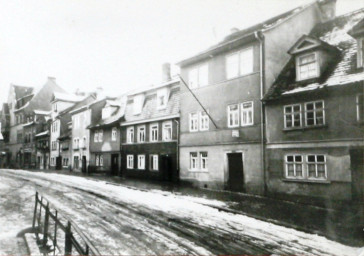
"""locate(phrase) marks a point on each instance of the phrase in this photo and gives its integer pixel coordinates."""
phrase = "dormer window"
(138, 104)
(307, 66)
(106, 112)
(162, 98)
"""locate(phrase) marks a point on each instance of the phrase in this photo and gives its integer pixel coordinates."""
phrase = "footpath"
(341, 221)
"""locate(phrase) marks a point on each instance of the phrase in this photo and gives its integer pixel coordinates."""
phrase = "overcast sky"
(117, 44)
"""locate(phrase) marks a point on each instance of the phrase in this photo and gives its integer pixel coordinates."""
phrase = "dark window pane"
(311, 158)
(320, 158)
(309, 106)
(289, 158)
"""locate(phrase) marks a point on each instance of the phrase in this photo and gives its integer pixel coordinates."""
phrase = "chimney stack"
(328, 9)
(166, 72)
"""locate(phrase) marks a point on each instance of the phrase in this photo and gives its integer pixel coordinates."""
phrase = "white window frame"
(96, 136)
(141, 162)
(237, 121)
(246, 111)
(130, 135)
(298, 66)
(141, 134)
(239, 55)
(204, 159)
(316, 163)
(113, 134)
(198, 72)
(193, 122)
(153, 162)
(153, 132)
(101, 160)
(359, 109)
(294, 163)
(164, 130)
(292, 114)
(101, 135)
(130, 161)
(193, 161)
(84, 142)
(315, 112)
(204, 121)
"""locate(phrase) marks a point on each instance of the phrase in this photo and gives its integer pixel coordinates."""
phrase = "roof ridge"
(343, 16)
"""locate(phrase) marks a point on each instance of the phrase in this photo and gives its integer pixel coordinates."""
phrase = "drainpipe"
(260, 38)
(177, 157)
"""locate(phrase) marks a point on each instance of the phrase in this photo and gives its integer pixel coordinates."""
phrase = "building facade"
(222, 118)
(149, 133)
(315, 136)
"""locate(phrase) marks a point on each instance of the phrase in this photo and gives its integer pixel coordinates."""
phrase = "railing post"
(35, 209)
(45, 230)
(68, 240)
(55, 232)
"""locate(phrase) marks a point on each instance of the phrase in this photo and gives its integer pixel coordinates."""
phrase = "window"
(239, 63)
(204, 158)
(359, 108)
(84, 142)
(167, 131)
(99, 160)
(294, 166)
(233, 115)
(96, 136)
(162, 98)
(193, 161)
(307, 66)
(138, 104)
(292, 116)
(193, 122)
(309, 167)
(113, 134)
(198, 76)
(65, 162)
(101, 134)
(153, 160)
(54, 145)
(154, 132)
(141, 162)
(130, 134)
(76, 143)
(247, 113)
(204, 121)
(314, 113)
(141, 134)
(129, 161)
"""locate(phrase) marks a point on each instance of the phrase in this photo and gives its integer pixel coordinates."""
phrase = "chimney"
(233, 30)
(166, 72)
(328, 9)
(99, 92)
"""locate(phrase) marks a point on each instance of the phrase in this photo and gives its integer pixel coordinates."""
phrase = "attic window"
(138, 104)
(307, 66)
(162, 98)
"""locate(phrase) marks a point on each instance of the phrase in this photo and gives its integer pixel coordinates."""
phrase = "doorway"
(357, 174)
(59, 163)
(166, 168)
(236, 172)
(114, 164)
(84, 164)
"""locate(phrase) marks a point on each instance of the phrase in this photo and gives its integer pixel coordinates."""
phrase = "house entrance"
(236, 172)
(166, 167)
(83, 164)
(357, 174)
(114, 164)
(59, 163)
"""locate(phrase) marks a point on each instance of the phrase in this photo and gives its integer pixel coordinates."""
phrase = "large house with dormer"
(315, 135)
(222, 130)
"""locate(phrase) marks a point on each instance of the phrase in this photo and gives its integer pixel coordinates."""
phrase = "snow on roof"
(41, 112)
(341, 71)
(59, 96)
(42, 133)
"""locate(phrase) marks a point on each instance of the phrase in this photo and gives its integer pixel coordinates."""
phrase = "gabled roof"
(358, 29)
(120, 104)
(21, 91)
(342, 69)
(150, 110)
(248, 33)
(306, 43)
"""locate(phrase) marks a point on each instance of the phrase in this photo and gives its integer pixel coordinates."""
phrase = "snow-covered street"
(127, 221)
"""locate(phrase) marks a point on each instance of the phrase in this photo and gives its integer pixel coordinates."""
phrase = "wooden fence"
(56, 233)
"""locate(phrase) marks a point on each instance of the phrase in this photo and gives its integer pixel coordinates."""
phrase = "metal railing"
(47, 222)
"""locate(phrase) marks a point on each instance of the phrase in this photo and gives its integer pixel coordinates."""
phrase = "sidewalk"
(339, 221)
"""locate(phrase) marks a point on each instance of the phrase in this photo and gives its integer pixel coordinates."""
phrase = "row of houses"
(275, 108)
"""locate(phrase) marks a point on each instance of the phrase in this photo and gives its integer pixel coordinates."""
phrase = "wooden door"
(236, 172)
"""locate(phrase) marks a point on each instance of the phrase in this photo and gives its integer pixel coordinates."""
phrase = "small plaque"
(235, 133)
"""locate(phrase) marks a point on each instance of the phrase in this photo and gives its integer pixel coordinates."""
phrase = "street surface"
(122, 220)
